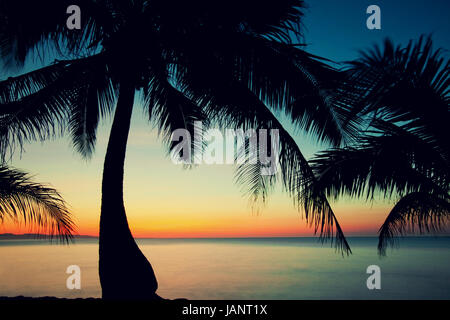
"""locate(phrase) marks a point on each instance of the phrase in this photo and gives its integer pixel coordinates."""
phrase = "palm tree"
(22, 200)
(230, 63)
(404, 153)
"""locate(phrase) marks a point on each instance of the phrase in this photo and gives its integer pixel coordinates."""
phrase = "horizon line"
(47, 236)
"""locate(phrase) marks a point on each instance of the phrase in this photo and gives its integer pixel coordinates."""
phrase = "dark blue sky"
(337, 29)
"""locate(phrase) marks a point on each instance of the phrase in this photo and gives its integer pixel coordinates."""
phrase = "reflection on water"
(298, 268)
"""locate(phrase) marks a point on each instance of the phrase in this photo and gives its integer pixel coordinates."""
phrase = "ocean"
(268, 268)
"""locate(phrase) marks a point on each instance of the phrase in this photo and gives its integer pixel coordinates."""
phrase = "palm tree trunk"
(124, 271)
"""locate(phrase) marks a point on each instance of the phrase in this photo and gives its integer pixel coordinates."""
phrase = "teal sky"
(337, 29)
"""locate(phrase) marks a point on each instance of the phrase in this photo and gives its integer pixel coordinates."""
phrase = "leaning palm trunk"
(124, 271)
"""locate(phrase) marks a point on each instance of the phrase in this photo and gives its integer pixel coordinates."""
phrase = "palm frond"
(404, 85)
(280, 21)
(32, 110)
(30, 26)
(234, 105)
(284, 77)
(393, 162)
(171, 109)
(94, 98)
(417, 211)
(32, 203)
(302, 85)
(43, 103)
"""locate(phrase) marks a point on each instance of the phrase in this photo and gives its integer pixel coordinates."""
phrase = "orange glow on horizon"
(245, 227)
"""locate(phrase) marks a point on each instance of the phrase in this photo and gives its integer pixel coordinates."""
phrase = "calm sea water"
(286, 268)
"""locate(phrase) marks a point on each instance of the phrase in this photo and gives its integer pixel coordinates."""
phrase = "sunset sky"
(164, 200)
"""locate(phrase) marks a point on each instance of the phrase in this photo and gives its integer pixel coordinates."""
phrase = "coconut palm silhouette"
(225, 62)
(22, 200)
(404, 97)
